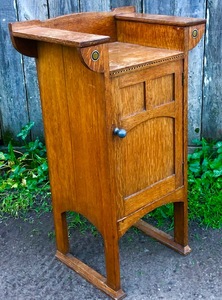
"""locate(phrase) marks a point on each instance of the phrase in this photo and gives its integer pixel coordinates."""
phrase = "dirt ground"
(149, 270)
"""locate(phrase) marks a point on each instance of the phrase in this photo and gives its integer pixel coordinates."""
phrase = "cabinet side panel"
(74, 117)
(56, 124)
(87, 104)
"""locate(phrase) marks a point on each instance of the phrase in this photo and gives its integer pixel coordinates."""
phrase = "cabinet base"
(100, 281)
(89, 274)
(162, 237)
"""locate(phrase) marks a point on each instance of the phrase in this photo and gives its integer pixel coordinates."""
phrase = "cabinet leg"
(61, 231)
(109, 284)
(112, 263)
(181, 224)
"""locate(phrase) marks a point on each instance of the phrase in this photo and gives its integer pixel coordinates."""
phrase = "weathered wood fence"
(19, 96)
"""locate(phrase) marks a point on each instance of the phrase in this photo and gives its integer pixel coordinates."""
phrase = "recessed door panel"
(161, 90)
(132, 99)
(147, 154)
(149, 159)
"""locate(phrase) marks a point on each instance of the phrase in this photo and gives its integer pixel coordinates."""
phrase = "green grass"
(24, 184)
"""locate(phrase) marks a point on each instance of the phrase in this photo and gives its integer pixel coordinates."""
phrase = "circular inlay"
(195, 33)
(95, 55)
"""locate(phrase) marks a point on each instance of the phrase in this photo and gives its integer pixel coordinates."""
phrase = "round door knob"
(120, 132)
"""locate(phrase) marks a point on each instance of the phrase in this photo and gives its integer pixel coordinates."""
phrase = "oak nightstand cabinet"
(113, 89)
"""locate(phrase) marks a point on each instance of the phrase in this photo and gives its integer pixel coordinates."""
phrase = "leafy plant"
(24, 180)
(162, 216)
(205, 183)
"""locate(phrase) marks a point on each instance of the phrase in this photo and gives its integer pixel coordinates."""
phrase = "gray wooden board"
(212, 103)
(161, 7)
(62, 7)
(195, 92)
(197, 9)
(98, 5)
(13, 105)
(30, 10)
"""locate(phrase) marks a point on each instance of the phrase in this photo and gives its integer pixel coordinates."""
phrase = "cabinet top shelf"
(88, 29)
(160, 19)
(124, 57)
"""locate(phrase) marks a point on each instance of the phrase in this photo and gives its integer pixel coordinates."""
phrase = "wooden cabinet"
(114, 101)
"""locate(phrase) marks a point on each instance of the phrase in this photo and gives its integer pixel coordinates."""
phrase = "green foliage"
(163, 216)
(24, 180)
(205, 183)
(76, 220)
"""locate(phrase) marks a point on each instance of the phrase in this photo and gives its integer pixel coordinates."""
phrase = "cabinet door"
(149, 160)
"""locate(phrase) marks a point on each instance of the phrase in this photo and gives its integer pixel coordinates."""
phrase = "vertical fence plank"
(29, 10)
(197, 9)
(212, 104)
(98, 5)
(136, 3)
(161, 7)
(13, 106)
(62, 7)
